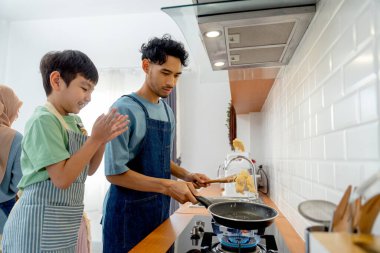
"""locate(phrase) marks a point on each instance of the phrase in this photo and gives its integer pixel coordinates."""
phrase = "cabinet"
(250, 87)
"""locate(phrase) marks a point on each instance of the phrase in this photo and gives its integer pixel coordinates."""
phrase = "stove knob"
(195, 236)
(200, 224)
(195, 240)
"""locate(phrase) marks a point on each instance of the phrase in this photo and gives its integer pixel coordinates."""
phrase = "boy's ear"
(55, 80)
(145, 65)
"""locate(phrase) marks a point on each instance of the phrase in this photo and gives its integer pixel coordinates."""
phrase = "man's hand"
(182, 191)
(197, 179)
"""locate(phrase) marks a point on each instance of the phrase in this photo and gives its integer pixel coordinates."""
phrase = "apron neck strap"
(50, 107)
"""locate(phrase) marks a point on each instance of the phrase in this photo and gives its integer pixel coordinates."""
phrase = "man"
(138, 164)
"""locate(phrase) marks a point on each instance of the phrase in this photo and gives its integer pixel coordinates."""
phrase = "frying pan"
(240, 215)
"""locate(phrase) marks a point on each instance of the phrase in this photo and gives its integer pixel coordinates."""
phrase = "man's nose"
(171, 81)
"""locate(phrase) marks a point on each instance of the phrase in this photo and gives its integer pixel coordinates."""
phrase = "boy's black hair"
(158, 49)
(69, 63)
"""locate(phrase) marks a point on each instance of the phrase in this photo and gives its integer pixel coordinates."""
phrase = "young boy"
(56, 158)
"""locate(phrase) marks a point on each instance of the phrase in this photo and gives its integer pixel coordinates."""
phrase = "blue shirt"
(8, 187)
(126, 146)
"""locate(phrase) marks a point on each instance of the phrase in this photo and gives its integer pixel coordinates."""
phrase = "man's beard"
(162, 94)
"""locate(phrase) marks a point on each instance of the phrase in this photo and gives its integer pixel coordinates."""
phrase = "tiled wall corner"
(321, 130)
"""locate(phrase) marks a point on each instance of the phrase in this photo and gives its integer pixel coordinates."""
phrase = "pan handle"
(204, 201)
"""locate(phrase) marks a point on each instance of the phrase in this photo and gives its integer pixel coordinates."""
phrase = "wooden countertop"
(164, 236)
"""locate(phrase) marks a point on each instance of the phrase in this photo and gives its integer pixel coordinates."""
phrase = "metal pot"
(317, 228)
(240, 215)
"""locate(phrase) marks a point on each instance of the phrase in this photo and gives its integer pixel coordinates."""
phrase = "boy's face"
(77, 95)
(163, 78)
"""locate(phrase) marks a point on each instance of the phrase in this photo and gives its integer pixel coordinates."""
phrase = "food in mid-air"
(244, 181)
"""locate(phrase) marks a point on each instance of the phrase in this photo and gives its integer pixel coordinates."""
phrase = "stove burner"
(218, 248)
(238, 243)
(238, 239)
(227, 240)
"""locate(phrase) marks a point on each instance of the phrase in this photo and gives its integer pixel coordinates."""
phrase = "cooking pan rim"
(241, 220)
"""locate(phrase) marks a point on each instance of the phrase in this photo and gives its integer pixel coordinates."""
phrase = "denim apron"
(46, 219)
(131, 215)
(6, 206)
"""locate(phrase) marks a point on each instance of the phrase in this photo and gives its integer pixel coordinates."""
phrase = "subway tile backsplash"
(368, 102)
(360, 69)
(346, 112)
(363, 142)
(322, 118)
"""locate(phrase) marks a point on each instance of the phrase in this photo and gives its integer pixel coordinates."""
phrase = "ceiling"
(45, 9)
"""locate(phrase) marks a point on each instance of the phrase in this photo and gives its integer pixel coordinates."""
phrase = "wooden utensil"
(229, 179)
(365, 215)
(341, 220)
(368, 243)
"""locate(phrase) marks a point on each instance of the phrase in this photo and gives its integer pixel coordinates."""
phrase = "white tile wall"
(327, 174)
(363, 142)
(368, 102)
(324, 123)
(359, 69)
(316, 101)
(346, 112)
(317, 147)
(346, 173)
(344, 48)
(335, 146)
(321, 119)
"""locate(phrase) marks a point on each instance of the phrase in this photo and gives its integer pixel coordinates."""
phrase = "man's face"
(162, 79)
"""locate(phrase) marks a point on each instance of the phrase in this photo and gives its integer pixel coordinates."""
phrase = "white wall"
(203, 111)
(4, 34)
(203, 97)
(257, 140)
(110, 41)
(243, 131)
(321, 120)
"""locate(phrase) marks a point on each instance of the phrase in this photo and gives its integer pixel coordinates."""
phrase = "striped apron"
(47, 219)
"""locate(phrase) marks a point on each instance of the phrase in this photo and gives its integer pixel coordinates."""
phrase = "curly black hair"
(158, 49)
(69, 63)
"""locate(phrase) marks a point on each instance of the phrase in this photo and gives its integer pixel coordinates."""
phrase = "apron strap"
(166, 109)
(144, 108)
(54, 111)
(139, 103)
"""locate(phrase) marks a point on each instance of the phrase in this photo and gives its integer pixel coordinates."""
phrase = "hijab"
(9, 106)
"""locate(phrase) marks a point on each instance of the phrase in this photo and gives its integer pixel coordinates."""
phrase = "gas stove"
(199, 237)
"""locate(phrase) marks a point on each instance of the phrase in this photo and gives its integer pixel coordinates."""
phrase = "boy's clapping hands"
(108, 126)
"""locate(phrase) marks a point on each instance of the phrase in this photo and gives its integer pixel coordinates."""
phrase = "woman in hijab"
(10, 151)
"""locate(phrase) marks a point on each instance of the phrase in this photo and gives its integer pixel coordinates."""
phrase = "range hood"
(252, 33)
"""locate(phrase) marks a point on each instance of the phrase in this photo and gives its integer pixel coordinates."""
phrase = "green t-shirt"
(45, 142)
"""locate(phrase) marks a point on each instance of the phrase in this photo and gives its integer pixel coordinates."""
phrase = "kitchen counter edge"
(161, 239)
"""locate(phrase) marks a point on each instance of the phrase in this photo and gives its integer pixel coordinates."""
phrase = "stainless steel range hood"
(253, 33)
